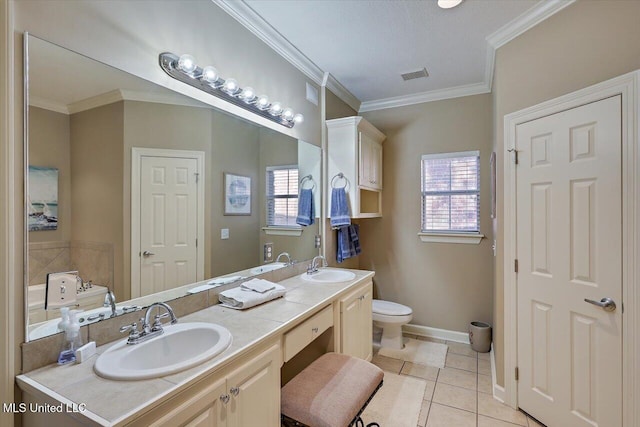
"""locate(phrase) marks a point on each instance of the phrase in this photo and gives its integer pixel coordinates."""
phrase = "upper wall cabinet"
(355, 151)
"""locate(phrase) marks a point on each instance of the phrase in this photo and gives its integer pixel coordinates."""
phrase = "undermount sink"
(180, 347)
(267, 267)
(329, 276)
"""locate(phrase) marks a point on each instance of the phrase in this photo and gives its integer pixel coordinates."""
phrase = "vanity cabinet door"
(199, 406)
(255, 391)
(355, 323)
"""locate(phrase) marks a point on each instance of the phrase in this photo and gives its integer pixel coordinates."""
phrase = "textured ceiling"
(366, 44)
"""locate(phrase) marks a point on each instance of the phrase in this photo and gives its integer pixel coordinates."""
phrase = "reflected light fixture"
(448, 4)
(185, 69)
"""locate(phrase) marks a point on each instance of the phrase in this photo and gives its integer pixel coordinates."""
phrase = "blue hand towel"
(348, 242)
(306, 209)
(340, 215)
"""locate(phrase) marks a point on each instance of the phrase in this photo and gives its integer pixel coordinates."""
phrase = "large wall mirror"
(142, 190)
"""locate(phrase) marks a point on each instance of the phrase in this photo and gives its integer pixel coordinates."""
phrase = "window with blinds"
(282, 196)
(451, 192)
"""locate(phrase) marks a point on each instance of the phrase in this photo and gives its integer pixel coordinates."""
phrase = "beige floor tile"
(462, 362)
(460, 348)
(444, 416)
(429, 389)
(388, 364)
(484, 384)
(484, 356)
(421, 371)
(534, 423)
(458, 377)
(456, 397)
(492, 422)
(421, 338)
(424, 413)
(484, 367)
(490, 407)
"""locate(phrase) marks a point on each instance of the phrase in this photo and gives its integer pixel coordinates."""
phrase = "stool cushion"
(331, 391)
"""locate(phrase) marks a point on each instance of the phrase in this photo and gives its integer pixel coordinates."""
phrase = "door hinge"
(197, 176)
(196, 242)
(515, 155)
(517, 374)
(515, 265)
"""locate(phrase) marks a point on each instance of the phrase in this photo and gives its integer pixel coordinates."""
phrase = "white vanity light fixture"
(185, 69)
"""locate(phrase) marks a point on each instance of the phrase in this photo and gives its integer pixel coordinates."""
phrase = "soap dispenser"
(72, 340)
(64, 313)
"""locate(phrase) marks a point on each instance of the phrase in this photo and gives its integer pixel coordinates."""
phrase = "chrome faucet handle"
(157, 324)
(134, 333)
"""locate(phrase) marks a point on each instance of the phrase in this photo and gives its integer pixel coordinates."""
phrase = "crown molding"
(526, 21)
(419, 98)
(341, 92)
(251, 20)
(45, 104)
(95, 101)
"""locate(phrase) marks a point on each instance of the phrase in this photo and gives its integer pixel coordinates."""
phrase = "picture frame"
(43, 198)
(237, 194)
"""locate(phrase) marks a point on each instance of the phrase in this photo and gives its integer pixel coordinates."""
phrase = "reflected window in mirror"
(282, 196)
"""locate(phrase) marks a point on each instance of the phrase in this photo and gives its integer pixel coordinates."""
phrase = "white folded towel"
(258, 285)
(224, 280)
(240, 299)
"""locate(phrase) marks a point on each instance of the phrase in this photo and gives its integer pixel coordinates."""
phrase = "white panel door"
(168, 223)
(569, 248)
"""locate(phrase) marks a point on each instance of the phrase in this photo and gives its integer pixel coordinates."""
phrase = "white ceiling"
(366, 44)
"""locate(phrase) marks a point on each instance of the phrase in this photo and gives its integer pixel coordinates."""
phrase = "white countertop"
(110, 402)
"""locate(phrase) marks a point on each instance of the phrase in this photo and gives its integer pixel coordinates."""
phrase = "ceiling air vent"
(415, 75)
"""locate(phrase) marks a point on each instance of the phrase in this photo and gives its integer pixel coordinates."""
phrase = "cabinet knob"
(235, 391)
(225, 398)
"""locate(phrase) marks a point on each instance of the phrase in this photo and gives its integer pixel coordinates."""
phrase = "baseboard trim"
(442, 334)
(498, 391)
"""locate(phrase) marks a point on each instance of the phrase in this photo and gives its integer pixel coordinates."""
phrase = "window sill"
(465, 238)
(283, 231)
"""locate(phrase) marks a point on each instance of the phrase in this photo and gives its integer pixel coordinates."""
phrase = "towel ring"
(337, 177)
(306, 179)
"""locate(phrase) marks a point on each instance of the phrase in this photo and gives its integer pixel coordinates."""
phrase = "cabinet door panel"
(255, 391)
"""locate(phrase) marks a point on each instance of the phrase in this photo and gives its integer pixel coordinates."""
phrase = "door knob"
(147, 254)
(607, 304)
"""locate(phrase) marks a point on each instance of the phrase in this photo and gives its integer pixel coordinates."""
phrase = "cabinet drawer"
(300, 336)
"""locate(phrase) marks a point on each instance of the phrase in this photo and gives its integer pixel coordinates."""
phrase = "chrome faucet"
(285, 254)
(149, 331)
(313, 267)
(110, 301)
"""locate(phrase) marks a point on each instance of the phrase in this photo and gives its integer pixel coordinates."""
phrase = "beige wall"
(49, 145)
(447, 285)
(586, 43)
(97, 173)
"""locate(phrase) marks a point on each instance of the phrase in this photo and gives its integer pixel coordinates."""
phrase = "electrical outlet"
(268, 252)
(317, 241)
(224, 233)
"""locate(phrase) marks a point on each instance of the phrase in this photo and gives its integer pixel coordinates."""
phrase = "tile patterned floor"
(459, 394)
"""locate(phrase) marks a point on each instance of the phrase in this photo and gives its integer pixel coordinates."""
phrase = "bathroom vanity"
(239, 387)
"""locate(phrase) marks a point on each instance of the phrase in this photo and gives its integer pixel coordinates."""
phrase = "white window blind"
(282, 195)
(451, 192)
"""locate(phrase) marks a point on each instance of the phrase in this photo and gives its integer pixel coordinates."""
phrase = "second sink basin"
(329, 276)
(267, 267)
(180, 347)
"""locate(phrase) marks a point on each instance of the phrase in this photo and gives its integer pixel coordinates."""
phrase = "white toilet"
(390, 316)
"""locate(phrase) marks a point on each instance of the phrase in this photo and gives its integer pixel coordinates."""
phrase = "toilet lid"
(390, 308)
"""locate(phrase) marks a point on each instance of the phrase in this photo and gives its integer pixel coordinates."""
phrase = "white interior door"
(569, 248)
(168, 222)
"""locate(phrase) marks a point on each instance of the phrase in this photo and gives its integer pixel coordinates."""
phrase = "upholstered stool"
(331, 392)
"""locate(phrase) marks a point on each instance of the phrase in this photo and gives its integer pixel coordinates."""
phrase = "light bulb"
(287, 114)
(448, 4)
(276, 109)
(248, 94)
(263, 102)
(230, 86)
(209, 74)
(298, 118)
(187, 63)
